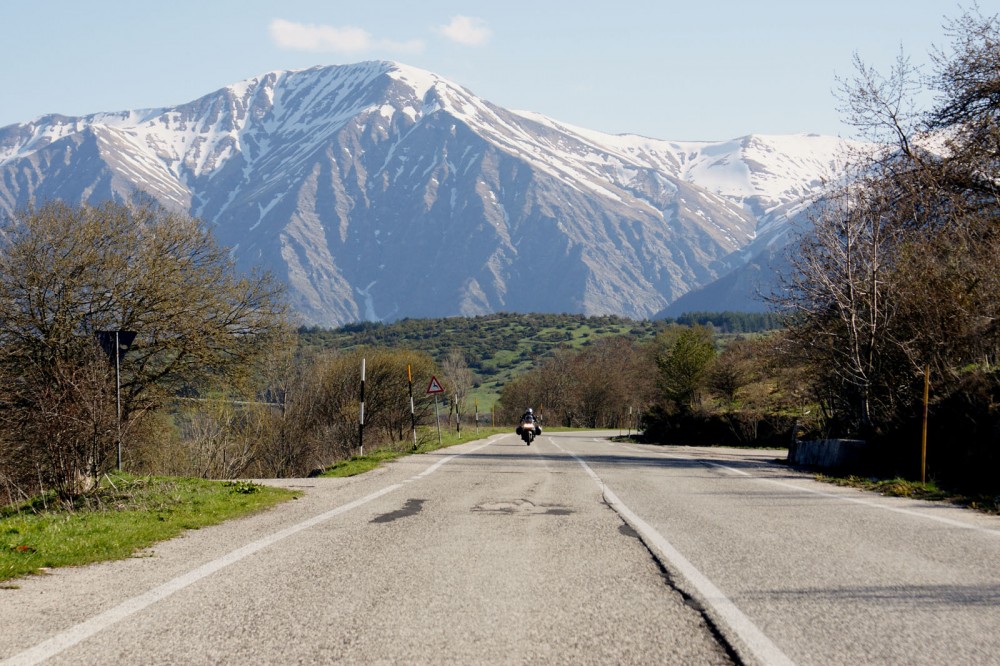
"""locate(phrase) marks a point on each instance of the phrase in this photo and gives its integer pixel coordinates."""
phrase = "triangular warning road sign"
(434, 386)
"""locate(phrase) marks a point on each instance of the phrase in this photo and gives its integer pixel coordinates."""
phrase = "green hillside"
(496, 347)
(499, 346)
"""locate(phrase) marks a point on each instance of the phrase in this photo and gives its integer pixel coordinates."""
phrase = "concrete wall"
(829, 453)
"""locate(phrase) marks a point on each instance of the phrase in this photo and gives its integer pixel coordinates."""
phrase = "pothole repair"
(521, 507)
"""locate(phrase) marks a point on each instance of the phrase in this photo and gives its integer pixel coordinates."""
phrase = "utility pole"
(118, 394)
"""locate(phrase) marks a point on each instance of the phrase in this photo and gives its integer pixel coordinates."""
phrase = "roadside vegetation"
(897, 284)
(928, 491)
(126, 514)
(85, 289)
(117, 520)
(499, 347)
(894, 287)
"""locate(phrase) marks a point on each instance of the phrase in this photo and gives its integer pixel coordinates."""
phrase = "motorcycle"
(527, 431)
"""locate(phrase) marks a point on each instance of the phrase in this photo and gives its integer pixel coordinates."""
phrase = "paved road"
(573, 550)
(795, 571)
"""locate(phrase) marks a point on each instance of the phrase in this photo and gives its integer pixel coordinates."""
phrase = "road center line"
(84, 630)
(758, 644)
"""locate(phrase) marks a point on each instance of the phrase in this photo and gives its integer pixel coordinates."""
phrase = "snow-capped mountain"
(381, 191)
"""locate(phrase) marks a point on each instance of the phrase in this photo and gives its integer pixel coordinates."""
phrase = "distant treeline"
(733, 322)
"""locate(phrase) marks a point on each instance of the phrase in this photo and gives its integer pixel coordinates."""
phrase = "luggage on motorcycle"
(527, 431)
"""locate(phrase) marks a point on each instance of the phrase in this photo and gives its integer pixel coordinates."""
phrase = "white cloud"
(328, 38)
(467, 30)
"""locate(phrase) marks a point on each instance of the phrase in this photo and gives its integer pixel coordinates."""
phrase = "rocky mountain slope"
(379, 191)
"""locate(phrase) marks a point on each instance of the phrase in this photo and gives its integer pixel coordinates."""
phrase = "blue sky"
(693, 70)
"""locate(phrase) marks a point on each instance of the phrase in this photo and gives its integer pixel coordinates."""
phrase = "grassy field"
(126, 515)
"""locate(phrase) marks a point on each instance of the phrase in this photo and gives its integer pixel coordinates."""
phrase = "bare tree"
(900, 271)
(592, 387)
(840, 292)
(317, 423)
(63, 431)
(387, 404)
(68, 272)
(459, 379)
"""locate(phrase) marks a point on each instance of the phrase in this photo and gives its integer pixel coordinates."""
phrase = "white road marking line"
(865, 502)
(759, 645)
(837, 496)
(84, 630)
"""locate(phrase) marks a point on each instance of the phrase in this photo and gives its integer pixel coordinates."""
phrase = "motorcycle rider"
(529, 417)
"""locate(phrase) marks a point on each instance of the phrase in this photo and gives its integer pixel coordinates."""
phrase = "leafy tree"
(733, 369)
(754, 382)
(682, 358)
(68, 272)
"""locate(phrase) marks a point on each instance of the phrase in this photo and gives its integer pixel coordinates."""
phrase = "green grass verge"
(428, 439)
(929, 491)
(124, 516)
(361, 464)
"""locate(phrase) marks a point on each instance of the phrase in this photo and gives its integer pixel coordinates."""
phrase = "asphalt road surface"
(575, 550)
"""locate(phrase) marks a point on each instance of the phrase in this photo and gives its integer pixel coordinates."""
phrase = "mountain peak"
(379, 190)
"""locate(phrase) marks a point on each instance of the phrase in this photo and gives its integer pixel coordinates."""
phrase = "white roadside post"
(413, 414)
(361, 421)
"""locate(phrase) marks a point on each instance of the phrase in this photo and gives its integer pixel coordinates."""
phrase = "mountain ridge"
(332, 176)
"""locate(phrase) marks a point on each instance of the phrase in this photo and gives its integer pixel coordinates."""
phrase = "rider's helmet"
(529, 410)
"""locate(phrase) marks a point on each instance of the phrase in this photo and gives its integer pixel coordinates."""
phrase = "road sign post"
(435, 388)
(115, 344)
